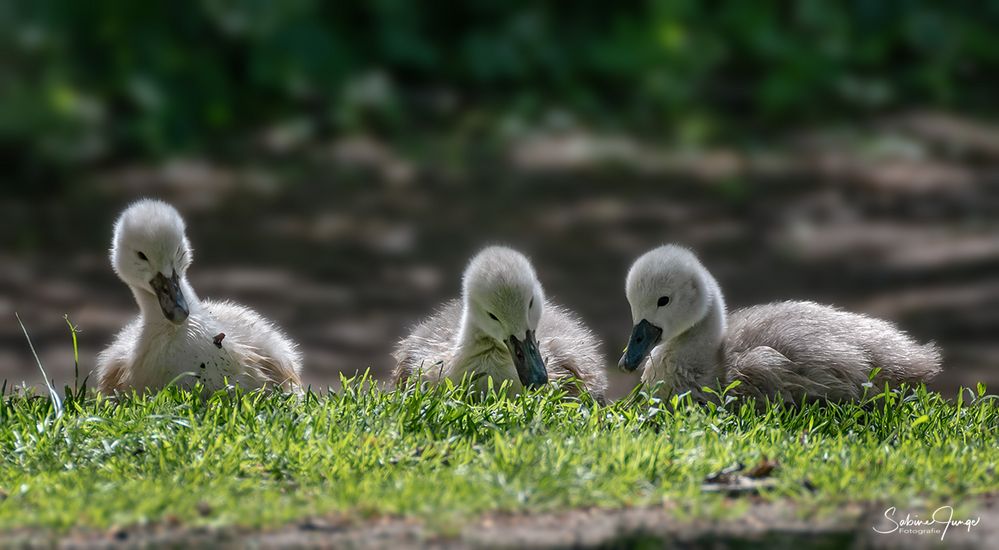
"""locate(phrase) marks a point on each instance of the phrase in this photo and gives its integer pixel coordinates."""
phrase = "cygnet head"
(150, 252)
(669, 292)
(503, 300)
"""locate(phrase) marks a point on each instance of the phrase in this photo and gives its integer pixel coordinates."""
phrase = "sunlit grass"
(447, 454)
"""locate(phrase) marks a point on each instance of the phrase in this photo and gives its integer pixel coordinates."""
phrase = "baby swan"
(502, 328)
(782, 351)
(177, 336)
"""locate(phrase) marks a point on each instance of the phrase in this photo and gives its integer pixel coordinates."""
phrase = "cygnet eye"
(530, 305)
(493, 317)
(142, 257)
(663, 301)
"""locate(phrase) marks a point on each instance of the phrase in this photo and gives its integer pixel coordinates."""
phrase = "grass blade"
(76, 354)
(56, 400)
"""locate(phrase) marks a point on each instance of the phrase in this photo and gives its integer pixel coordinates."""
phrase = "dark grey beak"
(644, 337)
(526, 357)
(171, 298)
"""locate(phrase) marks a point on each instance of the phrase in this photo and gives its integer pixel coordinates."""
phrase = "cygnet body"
(788, 351)
(178, 337)
(503, 328)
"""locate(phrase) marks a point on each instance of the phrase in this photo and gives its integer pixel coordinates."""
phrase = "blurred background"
(339, 162)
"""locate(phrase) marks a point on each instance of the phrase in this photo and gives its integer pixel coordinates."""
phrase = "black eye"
(493, 317)
(663, 301)
(142, 257)
(530, 305)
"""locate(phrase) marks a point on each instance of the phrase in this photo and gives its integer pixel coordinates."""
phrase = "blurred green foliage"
(97, 79)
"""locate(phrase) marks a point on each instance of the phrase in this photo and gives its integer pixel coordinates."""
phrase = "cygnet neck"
(693, 359)
(473, 345)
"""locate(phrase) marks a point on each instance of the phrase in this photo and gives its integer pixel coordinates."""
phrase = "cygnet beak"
(526, 357)
(171, 298)
(644, 337)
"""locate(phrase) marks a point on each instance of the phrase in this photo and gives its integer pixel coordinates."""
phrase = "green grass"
(443, 454)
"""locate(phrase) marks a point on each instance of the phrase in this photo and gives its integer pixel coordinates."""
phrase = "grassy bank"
(444, 456)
